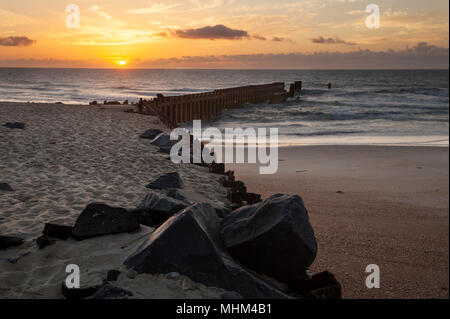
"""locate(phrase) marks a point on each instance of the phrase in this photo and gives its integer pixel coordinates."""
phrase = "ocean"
(386, 107)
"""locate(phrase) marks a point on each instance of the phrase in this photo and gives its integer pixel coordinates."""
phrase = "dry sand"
(66, 158)
(391, 210)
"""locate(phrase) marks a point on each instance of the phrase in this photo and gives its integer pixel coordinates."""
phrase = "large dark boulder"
(100, 219)
(156, 208)
(273, 237)
(6, 188)
(54, 230)
(192, 197)
(189, 243)
(8, 242)
(167, 181)
(151, 134)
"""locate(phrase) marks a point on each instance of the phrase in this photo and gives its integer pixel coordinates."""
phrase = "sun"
(123, 62)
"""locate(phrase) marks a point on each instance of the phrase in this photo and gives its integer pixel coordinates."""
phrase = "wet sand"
(371, 205)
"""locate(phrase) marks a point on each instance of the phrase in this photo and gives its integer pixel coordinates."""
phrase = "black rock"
(191, 197)
(163, 140)
(43, 241)
(57, 231)
(100, 219)
(273, 238)
(93, 103)
(323, 285)
(167, 181)
(217, 168)
(15, 125)
(156, 208)
(6, 188)
(108, 291)
(151, 134)
(190, 243)
(8, 242)
(112, 275)
(77, 293)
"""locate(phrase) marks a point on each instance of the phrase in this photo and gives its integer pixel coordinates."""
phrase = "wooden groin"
(202, 106)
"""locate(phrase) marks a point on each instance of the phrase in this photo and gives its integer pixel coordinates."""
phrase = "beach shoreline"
(368, 204)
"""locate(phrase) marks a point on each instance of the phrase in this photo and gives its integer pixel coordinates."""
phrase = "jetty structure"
(173, 110)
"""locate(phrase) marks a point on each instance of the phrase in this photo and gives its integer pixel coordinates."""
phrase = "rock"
(125, 102)
(190, 243)
(6, 188)
(100, 219)
(251, 198)
(173, 275)
(231, 295)
(14, 260)
(323, 285)
(8, 242)
(151, 134)
(57, 231)
(78, 293)
(163, 140)
(93, 103)
(235, 186)
(15, 125)
(167, 181)
(273, 238)
(217, 168)
(108, 291)
(112, 275)
(131, 274)
(156, 208)
(191, 197)
(43, 241)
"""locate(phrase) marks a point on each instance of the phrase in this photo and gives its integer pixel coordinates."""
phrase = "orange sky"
(139, 32)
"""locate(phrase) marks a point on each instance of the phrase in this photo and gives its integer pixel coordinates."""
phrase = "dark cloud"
(258, 37)
(421, 56)
(335, 40)
(16, 41)
(281, 39)
(216, 32)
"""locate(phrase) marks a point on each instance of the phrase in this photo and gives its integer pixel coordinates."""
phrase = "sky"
(261, 34)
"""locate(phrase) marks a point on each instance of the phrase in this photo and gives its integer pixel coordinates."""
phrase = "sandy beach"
(368, 204)
(67, 157)
(371, 205)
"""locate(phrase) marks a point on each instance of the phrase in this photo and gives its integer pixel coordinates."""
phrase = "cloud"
(99, 10)
(258, 37)
(420, 56)
(216, 32)
(335, 40)
(16, 41)
(281, 39)
(154, 8)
